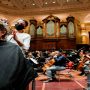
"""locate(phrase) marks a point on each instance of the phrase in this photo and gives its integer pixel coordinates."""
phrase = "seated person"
(60, 64)
(32, 60)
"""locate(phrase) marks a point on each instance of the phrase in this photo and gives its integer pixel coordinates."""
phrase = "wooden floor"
(65, 81)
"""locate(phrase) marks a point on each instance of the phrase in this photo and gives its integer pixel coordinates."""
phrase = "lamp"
(84, 34)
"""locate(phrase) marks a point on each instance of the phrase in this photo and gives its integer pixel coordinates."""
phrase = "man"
(19, 37)
(15, 72)
(60, 63)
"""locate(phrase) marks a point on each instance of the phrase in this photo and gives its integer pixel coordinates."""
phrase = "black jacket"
(15, 72)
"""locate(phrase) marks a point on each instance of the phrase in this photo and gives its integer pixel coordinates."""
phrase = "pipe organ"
(51, 33)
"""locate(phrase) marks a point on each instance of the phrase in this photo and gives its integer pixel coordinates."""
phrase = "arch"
(71, 29)
(50, 28)
(32, 30)
(39, 31)
(63, 30)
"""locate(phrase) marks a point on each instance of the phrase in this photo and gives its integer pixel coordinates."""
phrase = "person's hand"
(16, 38)
(14, 35)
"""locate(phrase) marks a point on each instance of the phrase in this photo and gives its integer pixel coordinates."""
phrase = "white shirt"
(23, 38)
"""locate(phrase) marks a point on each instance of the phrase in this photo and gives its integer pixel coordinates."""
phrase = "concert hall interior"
(60, 36)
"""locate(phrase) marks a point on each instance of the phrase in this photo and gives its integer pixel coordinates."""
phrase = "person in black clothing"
(15, 72)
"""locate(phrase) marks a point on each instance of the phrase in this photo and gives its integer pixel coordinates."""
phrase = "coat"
(15, 71)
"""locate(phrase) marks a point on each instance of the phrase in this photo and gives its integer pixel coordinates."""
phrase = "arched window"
(39, 31)
(63, 30)
(50, 28)
(32, 30)
(33, 24)
(71, 29)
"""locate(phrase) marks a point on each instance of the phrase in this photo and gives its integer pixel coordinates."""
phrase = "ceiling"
(39, 7)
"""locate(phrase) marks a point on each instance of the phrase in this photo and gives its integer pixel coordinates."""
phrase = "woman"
(15, 72)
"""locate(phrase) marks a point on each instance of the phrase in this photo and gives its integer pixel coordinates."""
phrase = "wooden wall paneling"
(39, 44)
(42, 44)
(55, 41)
(33, 44)
(49, 45)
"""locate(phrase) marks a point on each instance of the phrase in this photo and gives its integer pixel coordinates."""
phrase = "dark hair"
(3, 29)
(20, 26)
(26, 23)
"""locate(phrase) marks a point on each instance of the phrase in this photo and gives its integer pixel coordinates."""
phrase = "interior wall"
(85, 33)
(83, 17)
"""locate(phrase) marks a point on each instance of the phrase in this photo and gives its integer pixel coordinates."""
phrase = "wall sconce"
(84, 34)
(83, 26)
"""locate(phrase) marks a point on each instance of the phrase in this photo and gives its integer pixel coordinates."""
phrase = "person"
(82, 60)
(59, 64)
(15, 72)
(19, 37)
(32, 60)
